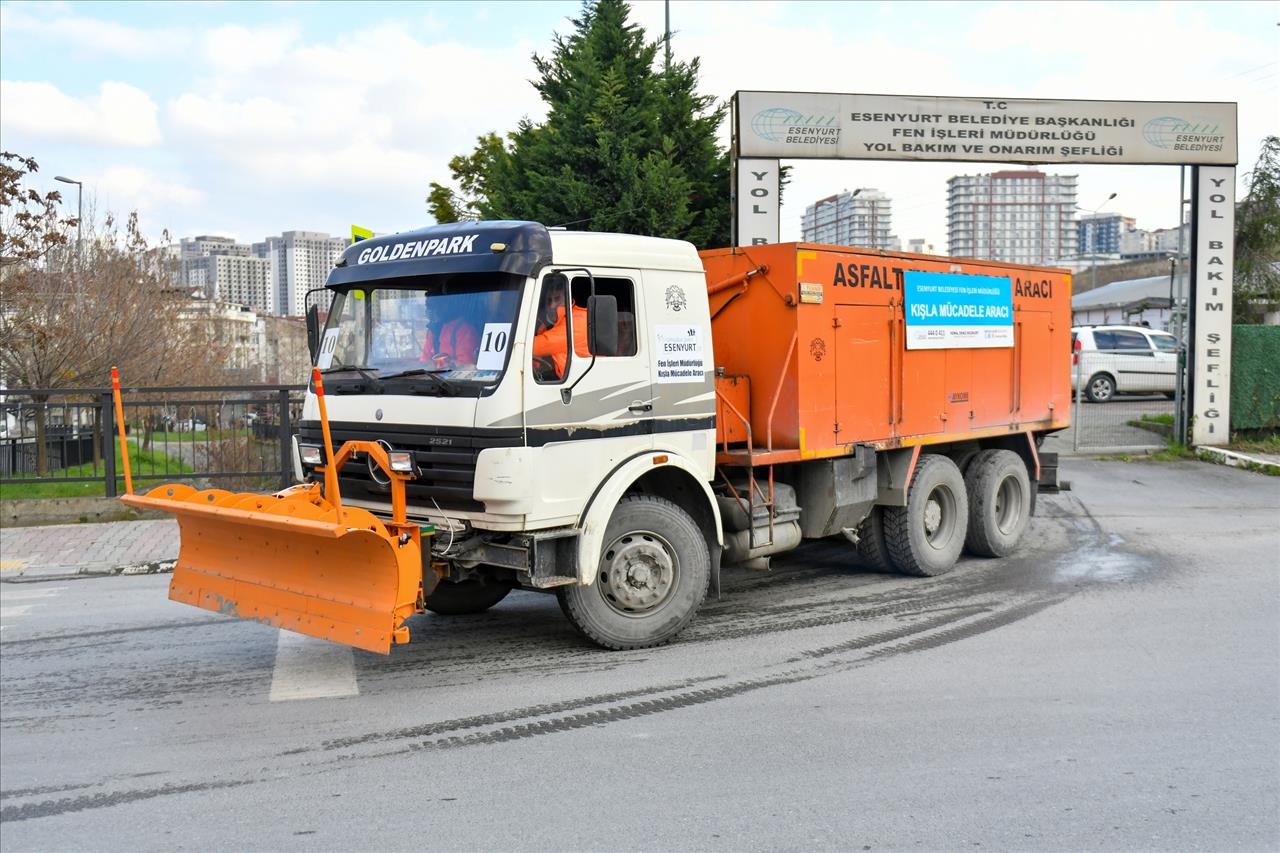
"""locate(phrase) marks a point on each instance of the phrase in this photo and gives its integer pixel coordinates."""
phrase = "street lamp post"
(1093, 254)
(79, 213)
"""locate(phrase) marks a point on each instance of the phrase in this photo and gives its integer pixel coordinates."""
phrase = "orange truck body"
(811, 354)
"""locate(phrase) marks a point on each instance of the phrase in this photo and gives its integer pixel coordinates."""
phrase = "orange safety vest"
(458, 339)
(552, 342)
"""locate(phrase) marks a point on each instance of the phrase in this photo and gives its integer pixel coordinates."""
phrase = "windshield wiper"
(417, 371)
(366, 372)
(439, 384)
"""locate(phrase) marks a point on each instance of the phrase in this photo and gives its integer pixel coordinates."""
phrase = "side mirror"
(602, 325)
(313, 331)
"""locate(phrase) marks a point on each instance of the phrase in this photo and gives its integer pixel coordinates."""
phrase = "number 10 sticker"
(493, 346)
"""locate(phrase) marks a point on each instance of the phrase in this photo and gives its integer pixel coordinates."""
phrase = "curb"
(1236, 459)
(53, 573)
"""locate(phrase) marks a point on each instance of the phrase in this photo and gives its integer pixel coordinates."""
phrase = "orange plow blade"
(286, 560)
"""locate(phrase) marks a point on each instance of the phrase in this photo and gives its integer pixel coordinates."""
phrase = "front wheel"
(653, 575)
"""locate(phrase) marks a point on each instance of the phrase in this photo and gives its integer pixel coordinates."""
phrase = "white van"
(1111, 360)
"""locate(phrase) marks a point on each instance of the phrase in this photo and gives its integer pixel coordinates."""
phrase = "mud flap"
(286, 560)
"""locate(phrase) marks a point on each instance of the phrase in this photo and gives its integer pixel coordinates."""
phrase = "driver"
(457, 344)
(551, 341)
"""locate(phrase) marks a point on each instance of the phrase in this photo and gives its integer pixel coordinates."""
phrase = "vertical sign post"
(1213, 256)
(757, 203)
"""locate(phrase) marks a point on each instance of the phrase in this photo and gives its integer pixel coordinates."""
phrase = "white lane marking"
(307, 668)
(18, 610)
(28, 595)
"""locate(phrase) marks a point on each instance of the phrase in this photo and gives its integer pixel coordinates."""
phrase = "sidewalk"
(87, 549)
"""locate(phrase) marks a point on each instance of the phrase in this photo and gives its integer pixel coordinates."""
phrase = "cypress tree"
(624, 147)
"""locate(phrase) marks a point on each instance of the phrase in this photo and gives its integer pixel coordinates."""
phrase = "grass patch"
(1265, 444)
(203, 435)
(142, 461)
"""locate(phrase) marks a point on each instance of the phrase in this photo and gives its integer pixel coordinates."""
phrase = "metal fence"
(233, 436)
(1125, 398)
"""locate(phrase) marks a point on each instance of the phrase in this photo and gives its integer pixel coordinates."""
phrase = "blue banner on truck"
(951, 311)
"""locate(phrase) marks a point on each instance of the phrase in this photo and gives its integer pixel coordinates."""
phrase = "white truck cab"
(556, 390)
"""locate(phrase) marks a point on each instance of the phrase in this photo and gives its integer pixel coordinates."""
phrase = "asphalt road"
(1116, 685)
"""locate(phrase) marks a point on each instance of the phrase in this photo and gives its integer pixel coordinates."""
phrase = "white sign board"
(493, 346)
(757, 207)
(996, 130)
(1215, 199)
(681, 354)
(324, 358)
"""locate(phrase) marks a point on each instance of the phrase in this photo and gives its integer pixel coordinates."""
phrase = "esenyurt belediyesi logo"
(783, 124)
(1178, 134)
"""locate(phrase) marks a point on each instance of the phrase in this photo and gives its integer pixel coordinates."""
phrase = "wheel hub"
(637, 573)
(932, 517)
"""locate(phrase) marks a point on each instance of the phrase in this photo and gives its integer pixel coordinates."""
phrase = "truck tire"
(1100, 389)
(653, 575)
(925, 536)
(871, 548)
(999, 493)
(465, 597)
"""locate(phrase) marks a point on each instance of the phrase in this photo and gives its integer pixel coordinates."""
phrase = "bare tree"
(66, 317)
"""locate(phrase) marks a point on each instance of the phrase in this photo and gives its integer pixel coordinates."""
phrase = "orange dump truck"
(612, 419)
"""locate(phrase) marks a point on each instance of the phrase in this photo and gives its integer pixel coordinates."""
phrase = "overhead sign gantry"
(771, 126)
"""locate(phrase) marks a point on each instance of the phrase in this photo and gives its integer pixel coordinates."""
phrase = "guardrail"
(233, 436)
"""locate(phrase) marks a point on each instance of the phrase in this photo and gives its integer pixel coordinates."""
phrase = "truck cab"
(536, 376)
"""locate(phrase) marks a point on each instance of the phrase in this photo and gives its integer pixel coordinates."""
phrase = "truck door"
(586, 414)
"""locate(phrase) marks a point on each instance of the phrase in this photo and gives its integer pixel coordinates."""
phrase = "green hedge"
(1255, 377)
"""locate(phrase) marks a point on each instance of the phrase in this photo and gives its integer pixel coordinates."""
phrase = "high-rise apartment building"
(299, 261)
(1022, 217)
(241, 280)
(860, 218)
(1102, 233)
(192, 253)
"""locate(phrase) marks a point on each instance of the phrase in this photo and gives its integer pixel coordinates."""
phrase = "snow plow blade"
(286, 560)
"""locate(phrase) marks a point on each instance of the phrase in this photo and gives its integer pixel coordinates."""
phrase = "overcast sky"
(251, 119)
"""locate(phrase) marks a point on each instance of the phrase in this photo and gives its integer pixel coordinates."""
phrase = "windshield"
(455, 328)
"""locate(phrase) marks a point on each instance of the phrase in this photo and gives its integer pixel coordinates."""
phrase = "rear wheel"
(871, 548)
(1100, 389)
(461, 598)
(999, 493)
(653, 574)
(925, 536)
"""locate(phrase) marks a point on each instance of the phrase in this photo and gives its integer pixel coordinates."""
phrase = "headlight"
(310, 454)
(401, 460)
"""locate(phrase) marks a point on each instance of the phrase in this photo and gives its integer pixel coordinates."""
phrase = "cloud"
(92, 34)
(135, 188)
(377, 105)
(241, 49)
(119, 114)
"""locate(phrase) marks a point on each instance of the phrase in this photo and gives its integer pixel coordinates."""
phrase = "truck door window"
(558, 311)
(551, 333)
(624, 291)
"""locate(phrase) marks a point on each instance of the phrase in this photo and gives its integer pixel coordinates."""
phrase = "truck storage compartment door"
(1033, 384)
(866, 407)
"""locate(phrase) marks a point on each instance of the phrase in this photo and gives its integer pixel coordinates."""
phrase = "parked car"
(1111, 360)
